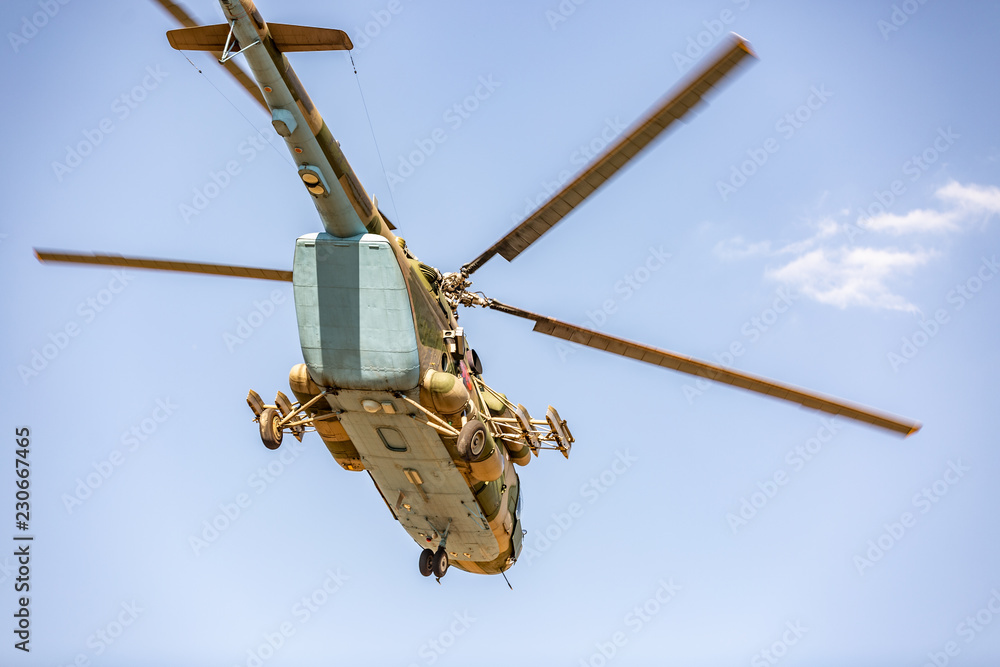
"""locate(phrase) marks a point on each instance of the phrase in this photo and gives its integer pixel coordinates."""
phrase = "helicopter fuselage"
(389, 381)
(371, 323)
(372, 328)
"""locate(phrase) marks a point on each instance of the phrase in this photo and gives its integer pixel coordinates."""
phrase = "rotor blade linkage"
(673, 107)
(163, 265)
(677, 362)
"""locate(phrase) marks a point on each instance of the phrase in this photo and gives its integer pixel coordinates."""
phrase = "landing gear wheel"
(440, 563)
(270, 432)
(472, 439)
(426, 562)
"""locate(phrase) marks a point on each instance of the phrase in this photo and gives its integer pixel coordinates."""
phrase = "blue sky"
(833, 211)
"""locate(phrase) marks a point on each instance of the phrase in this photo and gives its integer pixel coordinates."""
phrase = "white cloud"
(845, 277)
(738, 248)
(971, 198)
(968, 204)
(825, 228)
(920, 220)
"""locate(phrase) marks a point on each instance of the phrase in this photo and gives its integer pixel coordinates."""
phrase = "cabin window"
(392, 439)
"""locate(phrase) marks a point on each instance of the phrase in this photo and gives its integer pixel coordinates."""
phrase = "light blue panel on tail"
(355, 322)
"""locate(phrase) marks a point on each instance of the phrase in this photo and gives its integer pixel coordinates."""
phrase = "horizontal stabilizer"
(185, 19)
(286, 38)
(303, 38)
(203, 38)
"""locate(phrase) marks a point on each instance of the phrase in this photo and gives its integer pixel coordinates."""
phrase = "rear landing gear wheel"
(426, 562)
(440, 563)
(270, 432)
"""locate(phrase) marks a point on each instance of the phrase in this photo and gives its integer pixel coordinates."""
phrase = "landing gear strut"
(282, 416)
(435, 562)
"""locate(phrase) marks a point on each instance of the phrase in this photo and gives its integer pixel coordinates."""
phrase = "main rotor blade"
(652, 355)
(182, 17)
(163, 265)
(674, 107)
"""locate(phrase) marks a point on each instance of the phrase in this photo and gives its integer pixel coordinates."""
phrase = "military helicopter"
(389, 380)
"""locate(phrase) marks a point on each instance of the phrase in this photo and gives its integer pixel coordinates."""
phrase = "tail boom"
(344, 207)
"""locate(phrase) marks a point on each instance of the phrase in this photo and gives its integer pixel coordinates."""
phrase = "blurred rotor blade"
(163, 265)
(244, 79)
(652, 355)
(673, 107)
